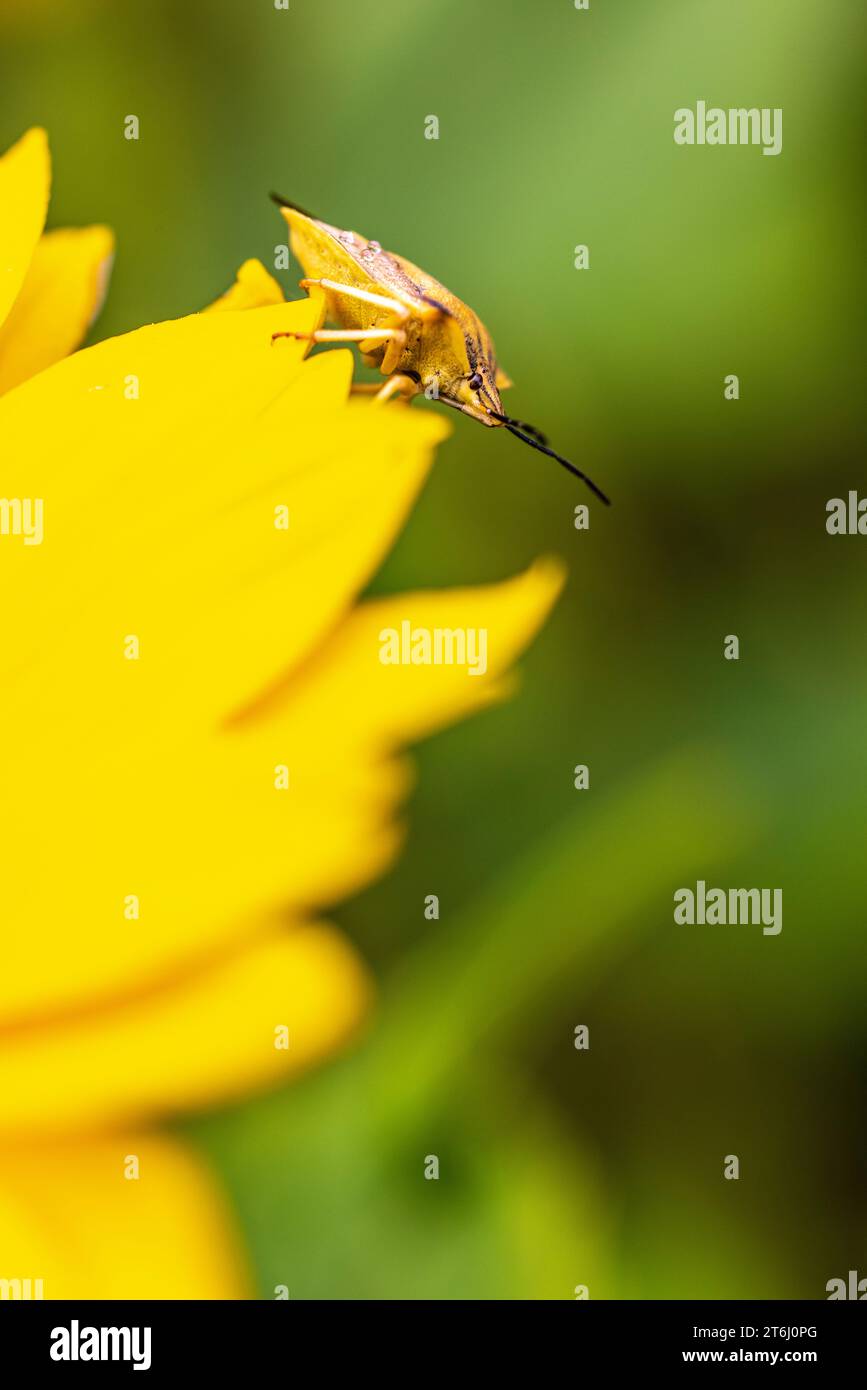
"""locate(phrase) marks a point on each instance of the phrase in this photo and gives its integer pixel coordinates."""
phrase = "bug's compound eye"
(474, 382)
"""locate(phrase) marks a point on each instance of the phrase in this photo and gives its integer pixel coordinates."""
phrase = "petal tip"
(546, 578)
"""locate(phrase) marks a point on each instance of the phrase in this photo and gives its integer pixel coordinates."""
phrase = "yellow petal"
(70, 1218)
(209, 1034)
(253, 288)
(61, 295)
(174, 493)
(395, 703)
(195, 824)
(338, 722)
(159, 523)
(25, 179)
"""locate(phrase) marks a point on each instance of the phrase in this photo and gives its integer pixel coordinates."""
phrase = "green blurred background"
(561, 1167)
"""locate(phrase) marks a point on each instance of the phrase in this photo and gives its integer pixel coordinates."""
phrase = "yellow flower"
(51, 284)
(200, 746)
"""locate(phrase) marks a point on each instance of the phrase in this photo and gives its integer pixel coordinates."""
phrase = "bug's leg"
(392, 355)
(347, 335)
(398, 311)
(397, 383)
(397, 315)
(400, 305)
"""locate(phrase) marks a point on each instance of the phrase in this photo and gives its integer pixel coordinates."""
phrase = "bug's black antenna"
(529, 429)
(518, 429)
(285, 203)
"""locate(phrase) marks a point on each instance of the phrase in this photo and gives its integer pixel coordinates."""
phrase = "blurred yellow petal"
(339, 720)
(395, 703)
(253, 288)
(61, 295)
(207, 1034)
(25, 179)
(70, 1217)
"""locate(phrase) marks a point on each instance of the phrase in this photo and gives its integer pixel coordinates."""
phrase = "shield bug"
(419, 334)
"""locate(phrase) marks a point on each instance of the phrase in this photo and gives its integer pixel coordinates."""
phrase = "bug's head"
(476, 394)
